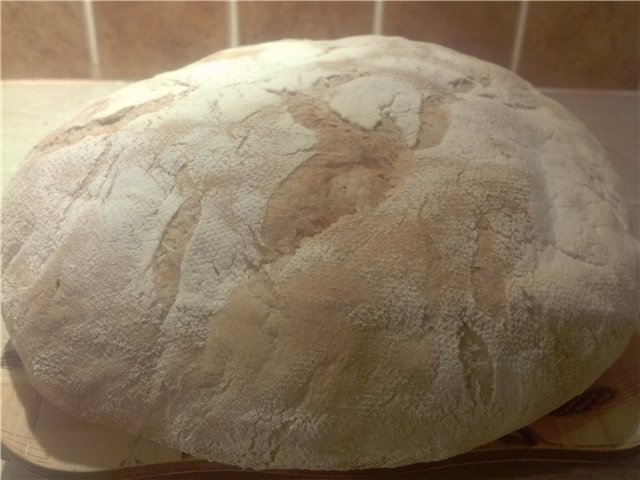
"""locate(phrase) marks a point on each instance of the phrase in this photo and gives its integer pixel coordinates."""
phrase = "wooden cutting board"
(601, 423)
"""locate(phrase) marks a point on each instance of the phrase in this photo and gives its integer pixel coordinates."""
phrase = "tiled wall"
(557, 44)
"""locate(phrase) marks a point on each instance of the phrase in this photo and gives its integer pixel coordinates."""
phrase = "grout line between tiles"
(92, 39)
(378, 16)
(233, 25)
(521, 26)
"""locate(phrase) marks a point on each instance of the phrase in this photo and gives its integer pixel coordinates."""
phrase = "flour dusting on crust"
(358, 253)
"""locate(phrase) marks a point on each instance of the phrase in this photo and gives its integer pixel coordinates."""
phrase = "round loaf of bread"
(358, 253)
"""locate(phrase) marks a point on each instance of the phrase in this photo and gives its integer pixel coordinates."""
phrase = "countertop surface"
(31, 109)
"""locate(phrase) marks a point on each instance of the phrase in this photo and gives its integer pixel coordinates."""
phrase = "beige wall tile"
(582, 44)
(44, 40)
(482, 29)
(140, 39)
(317, 20)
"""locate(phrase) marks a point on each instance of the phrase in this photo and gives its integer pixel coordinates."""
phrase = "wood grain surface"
(601, 424)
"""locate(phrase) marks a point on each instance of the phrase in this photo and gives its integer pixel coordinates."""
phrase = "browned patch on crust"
(478, 196)
(352, 171)
(436, 274)
(487, 275)
(173, 243)
(434, 123)
(67, 136)
(476, 361)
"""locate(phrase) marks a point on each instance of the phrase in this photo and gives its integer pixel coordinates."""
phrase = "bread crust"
(358, 253)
